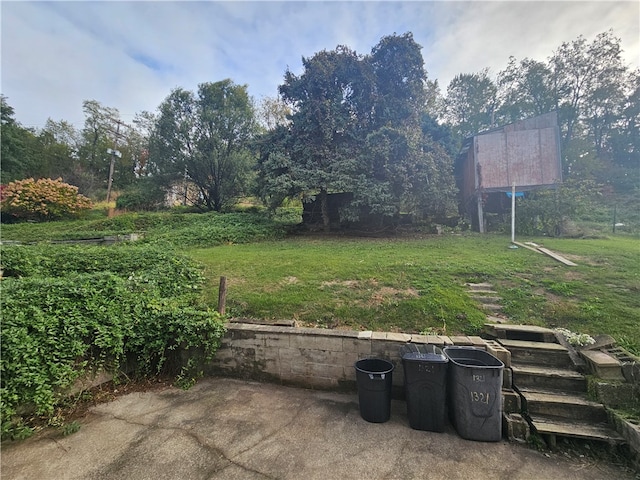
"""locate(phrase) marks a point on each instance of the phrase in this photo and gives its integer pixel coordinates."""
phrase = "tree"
(356, 128)
(586, 80)
(59, 143)
(272, 112)
(103, 130)
(471, 103)
(525, 89)
(625, 137)
(325, 126)
(17, 146)
(398, 69)
(205, 139)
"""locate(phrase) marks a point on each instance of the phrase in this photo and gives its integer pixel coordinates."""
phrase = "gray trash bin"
(475, 393)
(374, 377)
(425, 386)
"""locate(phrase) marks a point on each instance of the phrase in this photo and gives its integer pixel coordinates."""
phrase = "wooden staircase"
(553, 393)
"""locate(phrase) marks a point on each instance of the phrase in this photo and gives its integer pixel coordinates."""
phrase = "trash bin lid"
(423, 353)
(425, 357)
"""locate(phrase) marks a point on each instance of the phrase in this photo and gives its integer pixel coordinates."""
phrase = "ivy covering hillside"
(68, 310)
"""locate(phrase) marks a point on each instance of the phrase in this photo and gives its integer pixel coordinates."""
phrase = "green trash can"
(425, 386)
(374, 377)
(475, 393)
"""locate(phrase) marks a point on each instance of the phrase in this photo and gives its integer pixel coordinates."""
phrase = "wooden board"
(527, 247)
(559, 258)
(546, 251)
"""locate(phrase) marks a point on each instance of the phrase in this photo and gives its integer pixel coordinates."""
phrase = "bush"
(42, 199)
(59, 323)
(550, 211)
(143, 196)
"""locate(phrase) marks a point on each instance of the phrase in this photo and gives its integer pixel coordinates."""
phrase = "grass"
(417, 284)
(409, 284)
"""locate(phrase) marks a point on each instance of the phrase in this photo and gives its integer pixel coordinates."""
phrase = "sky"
(130, 54)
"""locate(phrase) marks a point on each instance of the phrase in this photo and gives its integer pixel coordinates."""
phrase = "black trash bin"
(425, 386)
(374, 377)
(475, 393)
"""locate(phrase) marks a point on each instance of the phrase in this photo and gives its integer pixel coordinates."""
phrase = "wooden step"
(569, 407)
(551, 427)
(539, 378)
(537, 353)
(531, 333)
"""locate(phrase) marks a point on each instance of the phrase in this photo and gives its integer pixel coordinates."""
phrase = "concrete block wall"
(314, 358)
(324, 359)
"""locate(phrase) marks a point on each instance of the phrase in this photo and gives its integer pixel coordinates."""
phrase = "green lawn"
(417, 284)
(410, 284)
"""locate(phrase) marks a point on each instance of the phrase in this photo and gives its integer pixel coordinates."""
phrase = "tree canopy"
(356, 128)
(594, 93)
(204, 138)
(372, 125)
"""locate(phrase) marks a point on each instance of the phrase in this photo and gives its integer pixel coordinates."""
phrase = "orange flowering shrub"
(43, 199)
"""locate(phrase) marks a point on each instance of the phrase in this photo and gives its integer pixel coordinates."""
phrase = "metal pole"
(113, 160)
(513, 212)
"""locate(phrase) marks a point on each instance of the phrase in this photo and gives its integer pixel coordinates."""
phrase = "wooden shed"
(525, 154)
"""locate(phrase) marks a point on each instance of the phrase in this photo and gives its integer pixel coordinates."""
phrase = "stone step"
(531, 333)
(565, 406)
(537, 353)
(478, 286)
(499, 320)
(486, 298)
(540, 378)
(603, 365)
(551, 427)
(492, 307)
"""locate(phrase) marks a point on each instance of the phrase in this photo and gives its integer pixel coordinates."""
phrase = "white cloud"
(129, 55)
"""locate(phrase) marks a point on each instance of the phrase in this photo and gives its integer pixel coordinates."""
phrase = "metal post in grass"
(513, 212)
(222, 295)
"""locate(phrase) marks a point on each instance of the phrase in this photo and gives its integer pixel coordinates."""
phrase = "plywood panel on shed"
(527, 157)
(550, 156)
(491, 159)
(523, 154)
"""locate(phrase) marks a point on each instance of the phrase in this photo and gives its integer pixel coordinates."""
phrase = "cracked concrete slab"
(230, 429)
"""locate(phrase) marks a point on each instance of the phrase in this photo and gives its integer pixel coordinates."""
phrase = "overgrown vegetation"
(68, 310)
(180, 229)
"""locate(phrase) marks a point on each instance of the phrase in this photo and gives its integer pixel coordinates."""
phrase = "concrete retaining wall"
(314, 358)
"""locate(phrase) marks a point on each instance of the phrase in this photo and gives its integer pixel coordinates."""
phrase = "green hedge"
(67, 310)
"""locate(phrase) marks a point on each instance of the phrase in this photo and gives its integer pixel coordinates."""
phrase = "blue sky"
(130, 54)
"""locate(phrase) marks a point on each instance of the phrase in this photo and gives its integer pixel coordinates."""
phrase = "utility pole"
(114, 153)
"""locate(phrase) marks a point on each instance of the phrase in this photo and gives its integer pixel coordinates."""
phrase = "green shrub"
(63, 316)
(43, 199)
(180, 229)
(155, 265)
(144, 195)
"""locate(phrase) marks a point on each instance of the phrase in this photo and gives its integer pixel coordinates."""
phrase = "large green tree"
(471, 103)
(525, 89)
(356, 127)
(205, 139)
(17, 146)
(588, 78)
